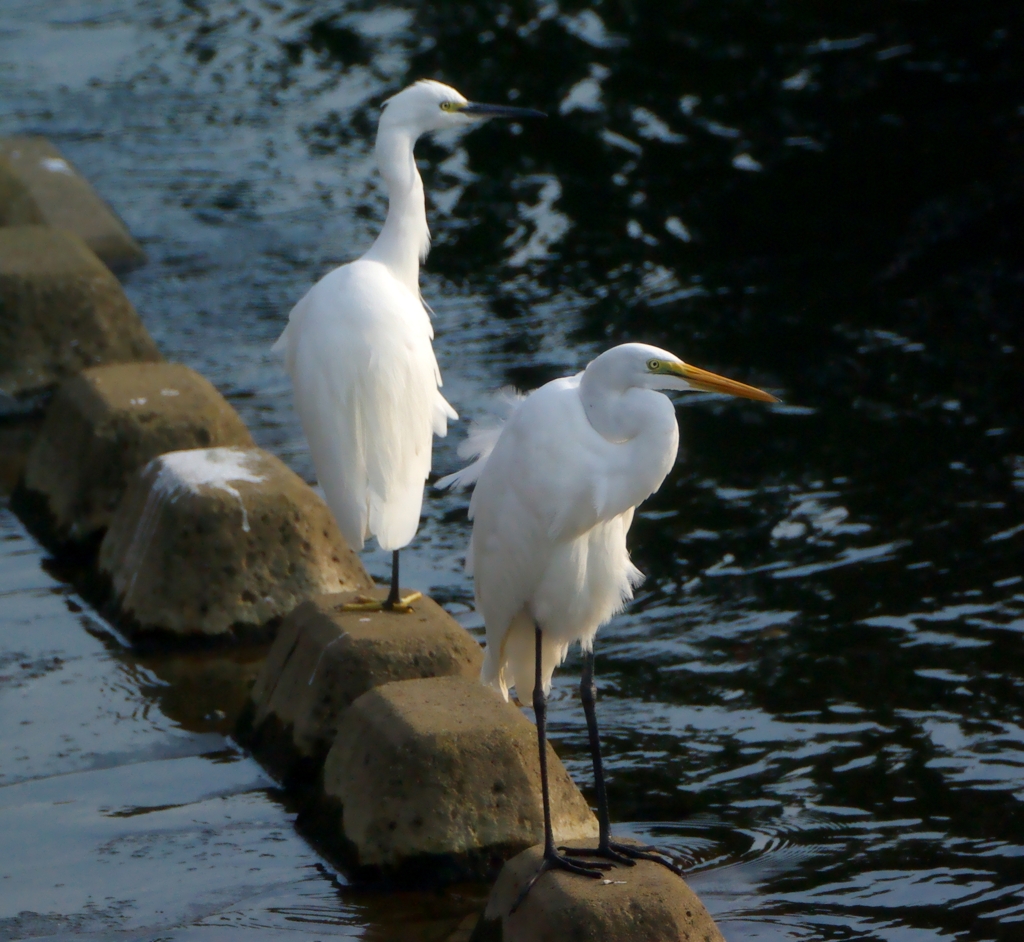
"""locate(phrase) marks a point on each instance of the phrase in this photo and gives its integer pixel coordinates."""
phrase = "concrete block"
(17, 207)
(16, 438)
(220, 541)
(39, 185)
(323, 658)
(61, 310)
(645, 903)
(438, 780)
(104, 424)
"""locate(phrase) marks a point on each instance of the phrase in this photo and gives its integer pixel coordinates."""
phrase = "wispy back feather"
(482, 438)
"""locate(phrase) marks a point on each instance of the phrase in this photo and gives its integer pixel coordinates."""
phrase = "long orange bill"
(712, 382)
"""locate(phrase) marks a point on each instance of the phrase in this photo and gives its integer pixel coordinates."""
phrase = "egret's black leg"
(552, 859)
(621, 853)
(393, 598)
(393, 603)
(588, 696)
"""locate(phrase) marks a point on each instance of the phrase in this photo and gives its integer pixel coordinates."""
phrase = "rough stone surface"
(645, 903)
(104, 424)
(440, 779)
(38, 185)
(61, 310)
(217, 540)
(17, 207)
(16, 438)
(323, 658)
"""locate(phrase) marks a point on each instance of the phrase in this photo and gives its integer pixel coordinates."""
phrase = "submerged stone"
(438, 780)
(644, 903)
(213, 541)
(61, 310)
(39, 185)
(104, 424)
(324, 657)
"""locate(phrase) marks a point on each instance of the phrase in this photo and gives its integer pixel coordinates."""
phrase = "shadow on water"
(817, 695)
(127, 812)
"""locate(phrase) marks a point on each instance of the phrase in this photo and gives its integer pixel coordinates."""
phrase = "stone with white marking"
(104, 424)
(438, 780)
(325, 656)
(219, 541)
(61, 310)
(643, 903)
(38, 185)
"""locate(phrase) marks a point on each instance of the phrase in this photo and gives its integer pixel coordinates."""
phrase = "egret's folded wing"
(510, 552)
(400, 406)
(327, 366)
(366, 389)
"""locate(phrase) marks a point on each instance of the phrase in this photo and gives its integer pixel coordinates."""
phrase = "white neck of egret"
(405, 239)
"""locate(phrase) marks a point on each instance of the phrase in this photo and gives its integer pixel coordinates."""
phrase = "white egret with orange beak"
(358, 346)
(555, 492)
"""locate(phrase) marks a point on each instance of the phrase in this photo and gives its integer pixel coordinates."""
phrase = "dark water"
(817, 696)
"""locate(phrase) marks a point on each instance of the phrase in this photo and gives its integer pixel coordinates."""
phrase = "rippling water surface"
(817, 695)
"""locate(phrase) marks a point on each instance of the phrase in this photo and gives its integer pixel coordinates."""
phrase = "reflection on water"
(123, 807)
(816, 697)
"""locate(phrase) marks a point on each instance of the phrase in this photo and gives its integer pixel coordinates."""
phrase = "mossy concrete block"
(324, 657)
(103, 425)
(218, 541)
(39, 185)
(17, 206)
(61, 310)
(439, 780)
(644, 903)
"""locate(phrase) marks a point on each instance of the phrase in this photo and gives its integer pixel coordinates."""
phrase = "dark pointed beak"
(501, 111)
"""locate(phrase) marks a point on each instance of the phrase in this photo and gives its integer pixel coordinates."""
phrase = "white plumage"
(553, 502)
(555, 492)
(366, 387)
(358, 345)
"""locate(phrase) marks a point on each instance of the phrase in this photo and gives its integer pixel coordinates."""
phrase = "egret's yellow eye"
(447, 105)
(654, 365)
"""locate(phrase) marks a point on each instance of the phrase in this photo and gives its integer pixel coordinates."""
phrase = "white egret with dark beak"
(358, 346)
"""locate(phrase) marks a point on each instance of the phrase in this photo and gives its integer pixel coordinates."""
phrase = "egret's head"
(433, 106)
(641, 365)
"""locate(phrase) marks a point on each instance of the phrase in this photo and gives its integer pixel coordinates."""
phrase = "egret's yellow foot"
(363, 603)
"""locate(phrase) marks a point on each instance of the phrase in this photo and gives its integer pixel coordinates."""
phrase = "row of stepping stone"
(193, 541)
(410, 769)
